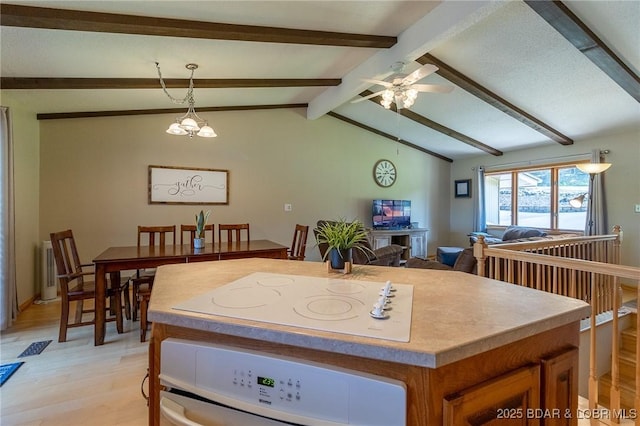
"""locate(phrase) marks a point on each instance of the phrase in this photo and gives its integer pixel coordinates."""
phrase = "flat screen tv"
(391, 214)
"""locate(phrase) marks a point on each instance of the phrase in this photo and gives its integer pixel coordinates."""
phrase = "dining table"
(114, 260)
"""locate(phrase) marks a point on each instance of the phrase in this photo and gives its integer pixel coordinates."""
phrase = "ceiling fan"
(403, 90)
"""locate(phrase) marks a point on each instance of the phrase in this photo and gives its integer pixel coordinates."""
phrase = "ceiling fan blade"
(378, 82)
(435, 88)
(364, 98)
(420, 73)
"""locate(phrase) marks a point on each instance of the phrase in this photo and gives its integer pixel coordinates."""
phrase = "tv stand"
(413, 240)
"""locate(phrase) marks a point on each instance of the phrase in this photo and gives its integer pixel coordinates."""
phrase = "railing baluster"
(593, 373)
(615, 355)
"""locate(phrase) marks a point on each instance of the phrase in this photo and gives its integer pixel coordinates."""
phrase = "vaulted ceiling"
(525, 73)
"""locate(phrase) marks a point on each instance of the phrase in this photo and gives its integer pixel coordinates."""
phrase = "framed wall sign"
(463, 188)
(179, 185)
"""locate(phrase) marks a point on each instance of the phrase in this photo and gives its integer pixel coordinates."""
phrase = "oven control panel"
(280, 387)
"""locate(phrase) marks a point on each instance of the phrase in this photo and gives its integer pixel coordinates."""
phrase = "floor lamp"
(593, 169)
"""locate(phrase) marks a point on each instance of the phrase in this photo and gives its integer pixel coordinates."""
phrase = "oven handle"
(175, 412)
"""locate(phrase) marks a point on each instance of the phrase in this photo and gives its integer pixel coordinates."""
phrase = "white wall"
(622, 184)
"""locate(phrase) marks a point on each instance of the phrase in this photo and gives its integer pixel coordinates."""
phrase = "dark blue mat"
(35, 348)
(7, 370)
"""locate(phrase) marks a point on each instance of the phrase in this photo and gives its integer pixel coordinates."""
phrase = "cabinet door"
(418, 248)
(505, 400)
(381, 241)
(560, 388)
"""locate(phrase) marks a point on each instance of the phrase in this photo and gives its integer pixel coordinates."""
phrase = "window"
(537, 197)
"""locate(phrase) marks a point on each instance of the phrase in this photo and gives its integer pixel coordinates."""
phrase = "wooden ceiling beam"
(420, 119)
(180, 111)
(494, 100)
(586, 41)
(153, 83)
(76, 20)
(388, 136)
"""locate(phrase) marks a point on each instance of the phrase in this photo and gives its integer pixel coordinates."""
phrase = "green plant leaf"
(342, 235)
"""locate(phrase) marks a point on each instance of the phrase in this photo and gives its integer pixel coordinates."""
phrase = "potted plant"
(341, 237)
(201, 221)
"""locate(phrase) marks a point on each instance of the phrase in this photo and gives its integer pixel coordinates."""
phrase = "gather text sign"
(180, 185)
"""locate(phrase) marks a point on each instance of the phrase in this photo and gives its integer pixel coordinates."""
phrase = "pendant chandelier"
(189, 124)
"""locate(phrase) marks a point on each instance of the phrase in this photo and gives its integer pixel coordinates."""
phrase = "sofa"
(383, 256)
(465, 262)
(511, 234)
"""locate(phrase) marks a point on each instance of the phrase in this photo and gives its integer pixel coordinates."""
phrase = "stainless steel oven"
(214, 385)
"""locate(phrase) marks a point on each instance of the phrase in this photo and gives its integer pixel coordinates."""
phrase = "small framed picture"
(463, 188)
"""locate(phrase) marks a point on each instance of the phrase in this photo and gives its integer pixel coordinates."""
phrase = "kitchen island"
(477, 348)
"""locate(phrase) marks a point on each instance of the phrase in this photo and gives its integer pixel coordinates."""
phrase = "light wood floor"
(72, 383)
(76, 383)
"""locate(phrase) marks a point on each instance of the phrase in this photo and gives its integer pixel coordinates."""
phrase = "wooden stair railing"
(554, 270)
(503, 262)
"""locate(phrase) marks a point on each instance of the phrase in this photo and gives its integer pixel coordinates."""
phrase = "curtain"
(597, 208)
(479, 213)
(8, 290)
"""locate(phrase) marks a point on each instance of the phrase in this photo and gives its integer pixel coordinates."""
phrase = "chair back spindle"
(233, 231)
(299, 243)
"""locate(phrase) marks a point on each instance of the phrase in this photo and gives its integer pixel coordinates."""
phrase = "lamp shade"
(577, 201)
(175, 129)
(207, 132)
(189, 124)
(593, 168)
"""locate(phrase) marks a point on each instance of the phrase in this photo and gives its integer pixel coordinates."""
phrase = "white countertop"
(455, 315)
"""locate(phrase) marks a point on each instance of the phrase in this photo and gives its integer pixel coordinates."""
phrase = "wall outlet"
(637, 208)
(288, 207)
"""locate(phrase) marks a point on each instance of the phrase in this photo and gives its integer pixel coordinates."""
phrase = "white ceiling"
(505, 47)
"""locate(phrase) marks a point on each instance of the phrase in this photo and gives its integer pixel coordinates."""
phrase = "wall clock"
(384, 173)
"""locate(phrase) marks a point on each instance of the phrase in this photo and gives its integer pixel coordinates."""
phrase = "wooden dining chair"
(191, 230)
(77, 285)
(299, 244)
(159, 236)
(233, 230)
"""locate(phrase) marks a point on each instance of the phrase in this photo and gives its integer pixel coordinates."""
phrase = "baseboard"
(27, 303)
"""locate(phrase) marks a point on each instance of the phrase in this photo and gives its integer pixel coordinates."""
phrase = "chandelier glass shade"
(189, 124)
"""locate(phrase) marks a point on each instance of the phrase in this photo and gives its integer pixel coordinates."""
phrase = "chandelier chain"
(188, 97)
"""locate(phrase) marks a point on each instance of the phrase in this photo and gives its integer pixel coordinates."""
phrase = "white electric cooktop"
(327, 304)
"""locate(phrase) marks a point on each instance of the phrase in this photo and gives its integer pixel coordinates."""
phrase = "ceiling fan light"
(386, 103)
(411, 94)
(388, 95)
(175, 129)
(207, 132)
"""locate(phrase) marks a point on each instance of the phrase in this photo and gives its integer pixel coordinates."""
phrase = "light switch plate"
(288, 207)
(637, 208)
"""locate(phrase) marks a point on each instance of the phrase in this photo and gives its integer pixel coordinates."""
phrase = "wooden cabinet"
(545, 393)
(414, 241)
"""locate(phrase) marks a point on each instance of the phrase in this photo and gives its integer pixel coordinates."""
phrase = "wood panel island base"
(480, 350)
